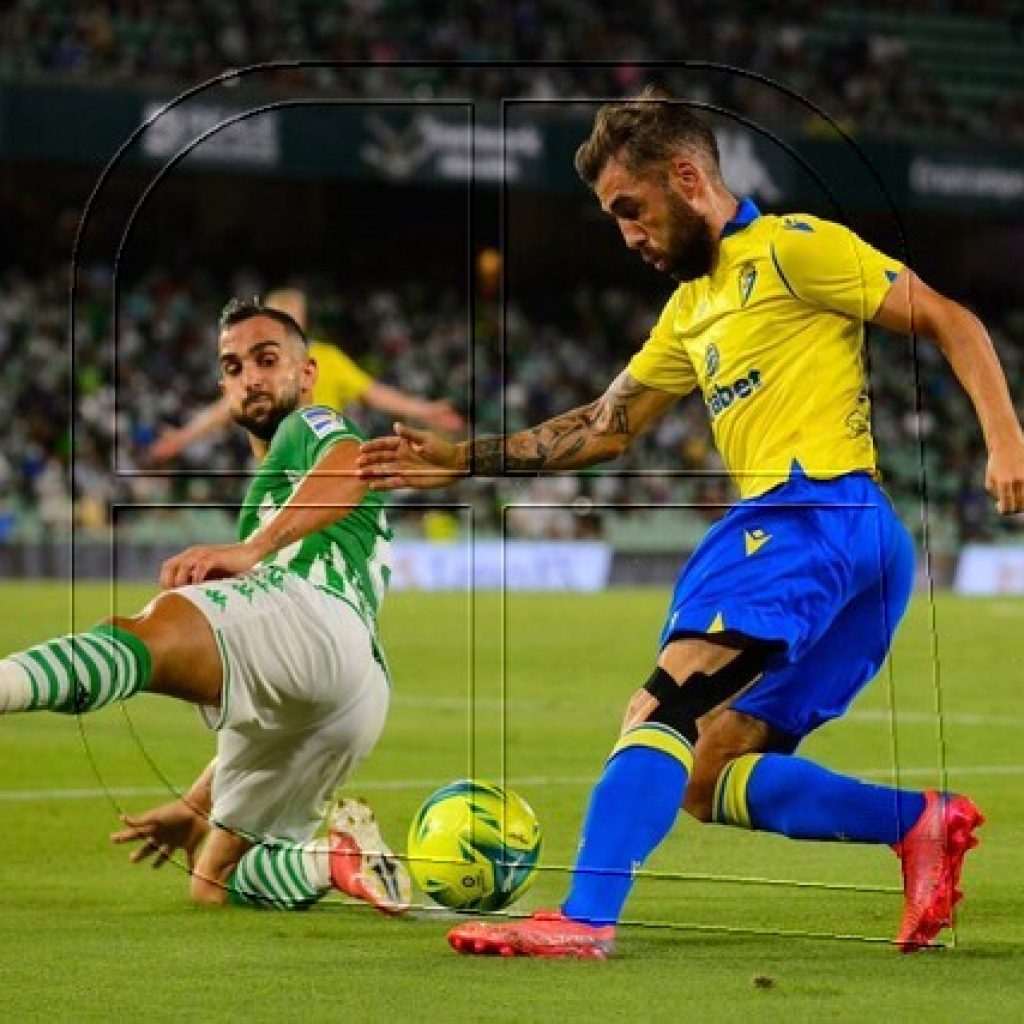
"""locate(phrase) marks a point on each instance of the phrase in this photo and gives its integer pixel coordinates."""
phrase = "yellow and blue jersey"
(813, 564)
(339, 382)
(773, 337)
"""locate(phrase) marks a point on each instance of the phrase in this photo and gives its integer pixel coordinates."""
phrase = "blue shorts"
(819, 570)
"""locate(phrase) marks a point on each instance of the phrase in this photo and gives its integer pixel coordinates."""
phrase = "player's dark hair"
(237, 311)
(647, 129)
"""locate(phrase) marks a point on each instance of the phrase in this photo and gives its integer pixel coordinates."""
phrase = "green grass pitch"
(530, 689)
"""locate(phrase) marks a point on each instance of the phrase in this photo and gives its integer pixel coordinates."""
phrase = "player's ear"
(310, 373)
(684, 175)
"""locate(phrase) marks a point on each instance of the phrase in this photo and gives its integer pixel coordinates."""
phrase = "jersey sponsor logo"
(754, 540)
(723, 397)
(323, 422)
(792, 224)
(747, 280)
(712, 360)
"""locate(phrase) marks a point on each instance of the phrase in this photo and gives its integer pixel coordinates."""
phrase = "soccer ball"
(474, 846)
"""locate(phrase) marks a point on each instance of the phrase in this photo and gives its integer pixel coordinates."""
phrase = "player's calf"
(729, 737)
(169, 648)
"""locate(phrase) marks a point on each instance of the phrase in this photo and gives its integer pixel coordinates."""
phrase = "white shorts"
(303, 701)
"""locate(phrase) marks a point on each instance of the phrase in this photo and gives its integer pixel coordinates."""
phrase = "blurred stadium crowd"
(885, 67)
(164, 371)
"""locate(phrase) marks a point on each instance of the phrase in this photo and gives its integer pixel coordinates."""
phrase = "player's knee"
(207, 892)
(690, 702)
(128, 624)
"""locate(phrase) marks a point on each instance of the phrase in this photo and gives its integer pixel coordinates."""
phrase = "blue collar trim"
(745, 214)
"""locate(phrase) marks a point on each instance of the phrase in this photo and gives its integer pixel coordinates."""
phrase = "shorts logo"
(712, 360)
(754, 540)
(717, 624)
(747, 280)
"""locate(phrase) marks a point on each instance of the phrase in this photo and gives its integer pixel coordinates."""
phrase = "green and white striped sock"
(282, 875)
(75, 673)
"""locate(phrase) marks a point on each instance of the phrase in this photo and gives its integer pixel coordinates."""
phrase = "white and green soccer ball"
(474, 846)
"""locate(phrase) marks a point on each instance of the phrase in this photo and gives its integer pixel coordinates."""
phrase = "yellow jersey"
(339, 381)
(774, 339)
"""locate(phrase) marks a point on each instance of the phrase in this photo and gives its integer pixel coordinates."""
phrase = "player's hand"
(410, 458)
(163, 830)
(169, 445)
(1004, 477)
(442, 416)
(208, 562)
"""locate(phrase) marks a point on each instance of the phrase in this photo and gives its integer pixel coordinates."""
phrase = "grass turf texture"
(84, 935)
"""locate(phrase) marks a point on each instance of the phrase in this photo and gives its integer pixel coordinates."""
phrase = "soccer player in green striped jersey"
(273, 637)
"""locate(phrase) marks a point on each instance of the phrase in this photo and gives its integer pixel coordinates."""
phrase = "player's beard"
(690, 249)
(265, 424)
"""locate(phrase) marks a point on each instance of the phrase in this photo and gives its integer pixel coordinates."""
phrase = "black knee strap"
(681, 704)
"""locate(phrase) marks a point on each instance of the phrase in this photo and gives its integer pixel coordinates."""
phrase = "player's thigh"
(762, 576)
(277, 779)
(798, 698)
(186, 662)
(218, 858)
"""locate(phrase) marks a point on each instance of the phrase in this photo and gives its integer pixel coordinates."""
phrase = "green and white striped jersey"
(348, 558)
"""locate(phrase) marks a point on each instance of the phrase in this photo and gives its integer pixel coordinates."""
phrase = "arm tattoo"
(573, 440)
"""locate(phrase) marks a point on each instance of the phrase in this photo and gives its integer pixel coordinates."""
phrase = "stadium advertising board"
(251, 140)
(497, 565)
(441, 142)
(986, 569)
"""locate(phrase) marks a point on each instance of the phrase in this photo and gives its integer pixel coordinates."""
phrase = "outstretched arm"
(329, 491)
(581, 437)
(174, 440)
(437, 414)
(912, 307)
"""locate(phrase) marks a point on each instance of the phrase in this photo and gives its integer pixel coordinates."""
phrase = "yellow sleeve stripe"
(657, 737)
(730, 802)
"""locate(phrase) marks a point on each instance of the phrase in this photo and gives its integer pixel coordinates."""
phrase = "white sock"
(16, 690)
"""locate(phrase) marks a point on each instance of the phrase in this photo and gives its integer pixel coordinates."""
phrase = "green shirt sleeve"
(309, 433)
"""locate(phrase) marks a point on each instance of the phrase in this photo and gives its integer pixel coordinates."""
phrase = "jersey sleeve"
(307, 435)
(827, 265)
(340, 381)
(663, 362)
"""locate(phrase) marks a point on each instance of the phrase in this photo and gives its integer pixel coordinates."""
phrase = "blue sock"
(632, 809)
(800, 799)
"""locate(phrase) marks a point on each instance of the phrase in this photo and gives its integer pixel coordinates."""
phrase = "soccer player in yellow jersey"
(787, 608)
(340, 382)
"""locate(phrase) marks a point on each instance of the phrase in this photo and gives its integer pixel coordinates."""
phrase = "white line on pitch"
(519, 706)
(400, 785)
(929, 718)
